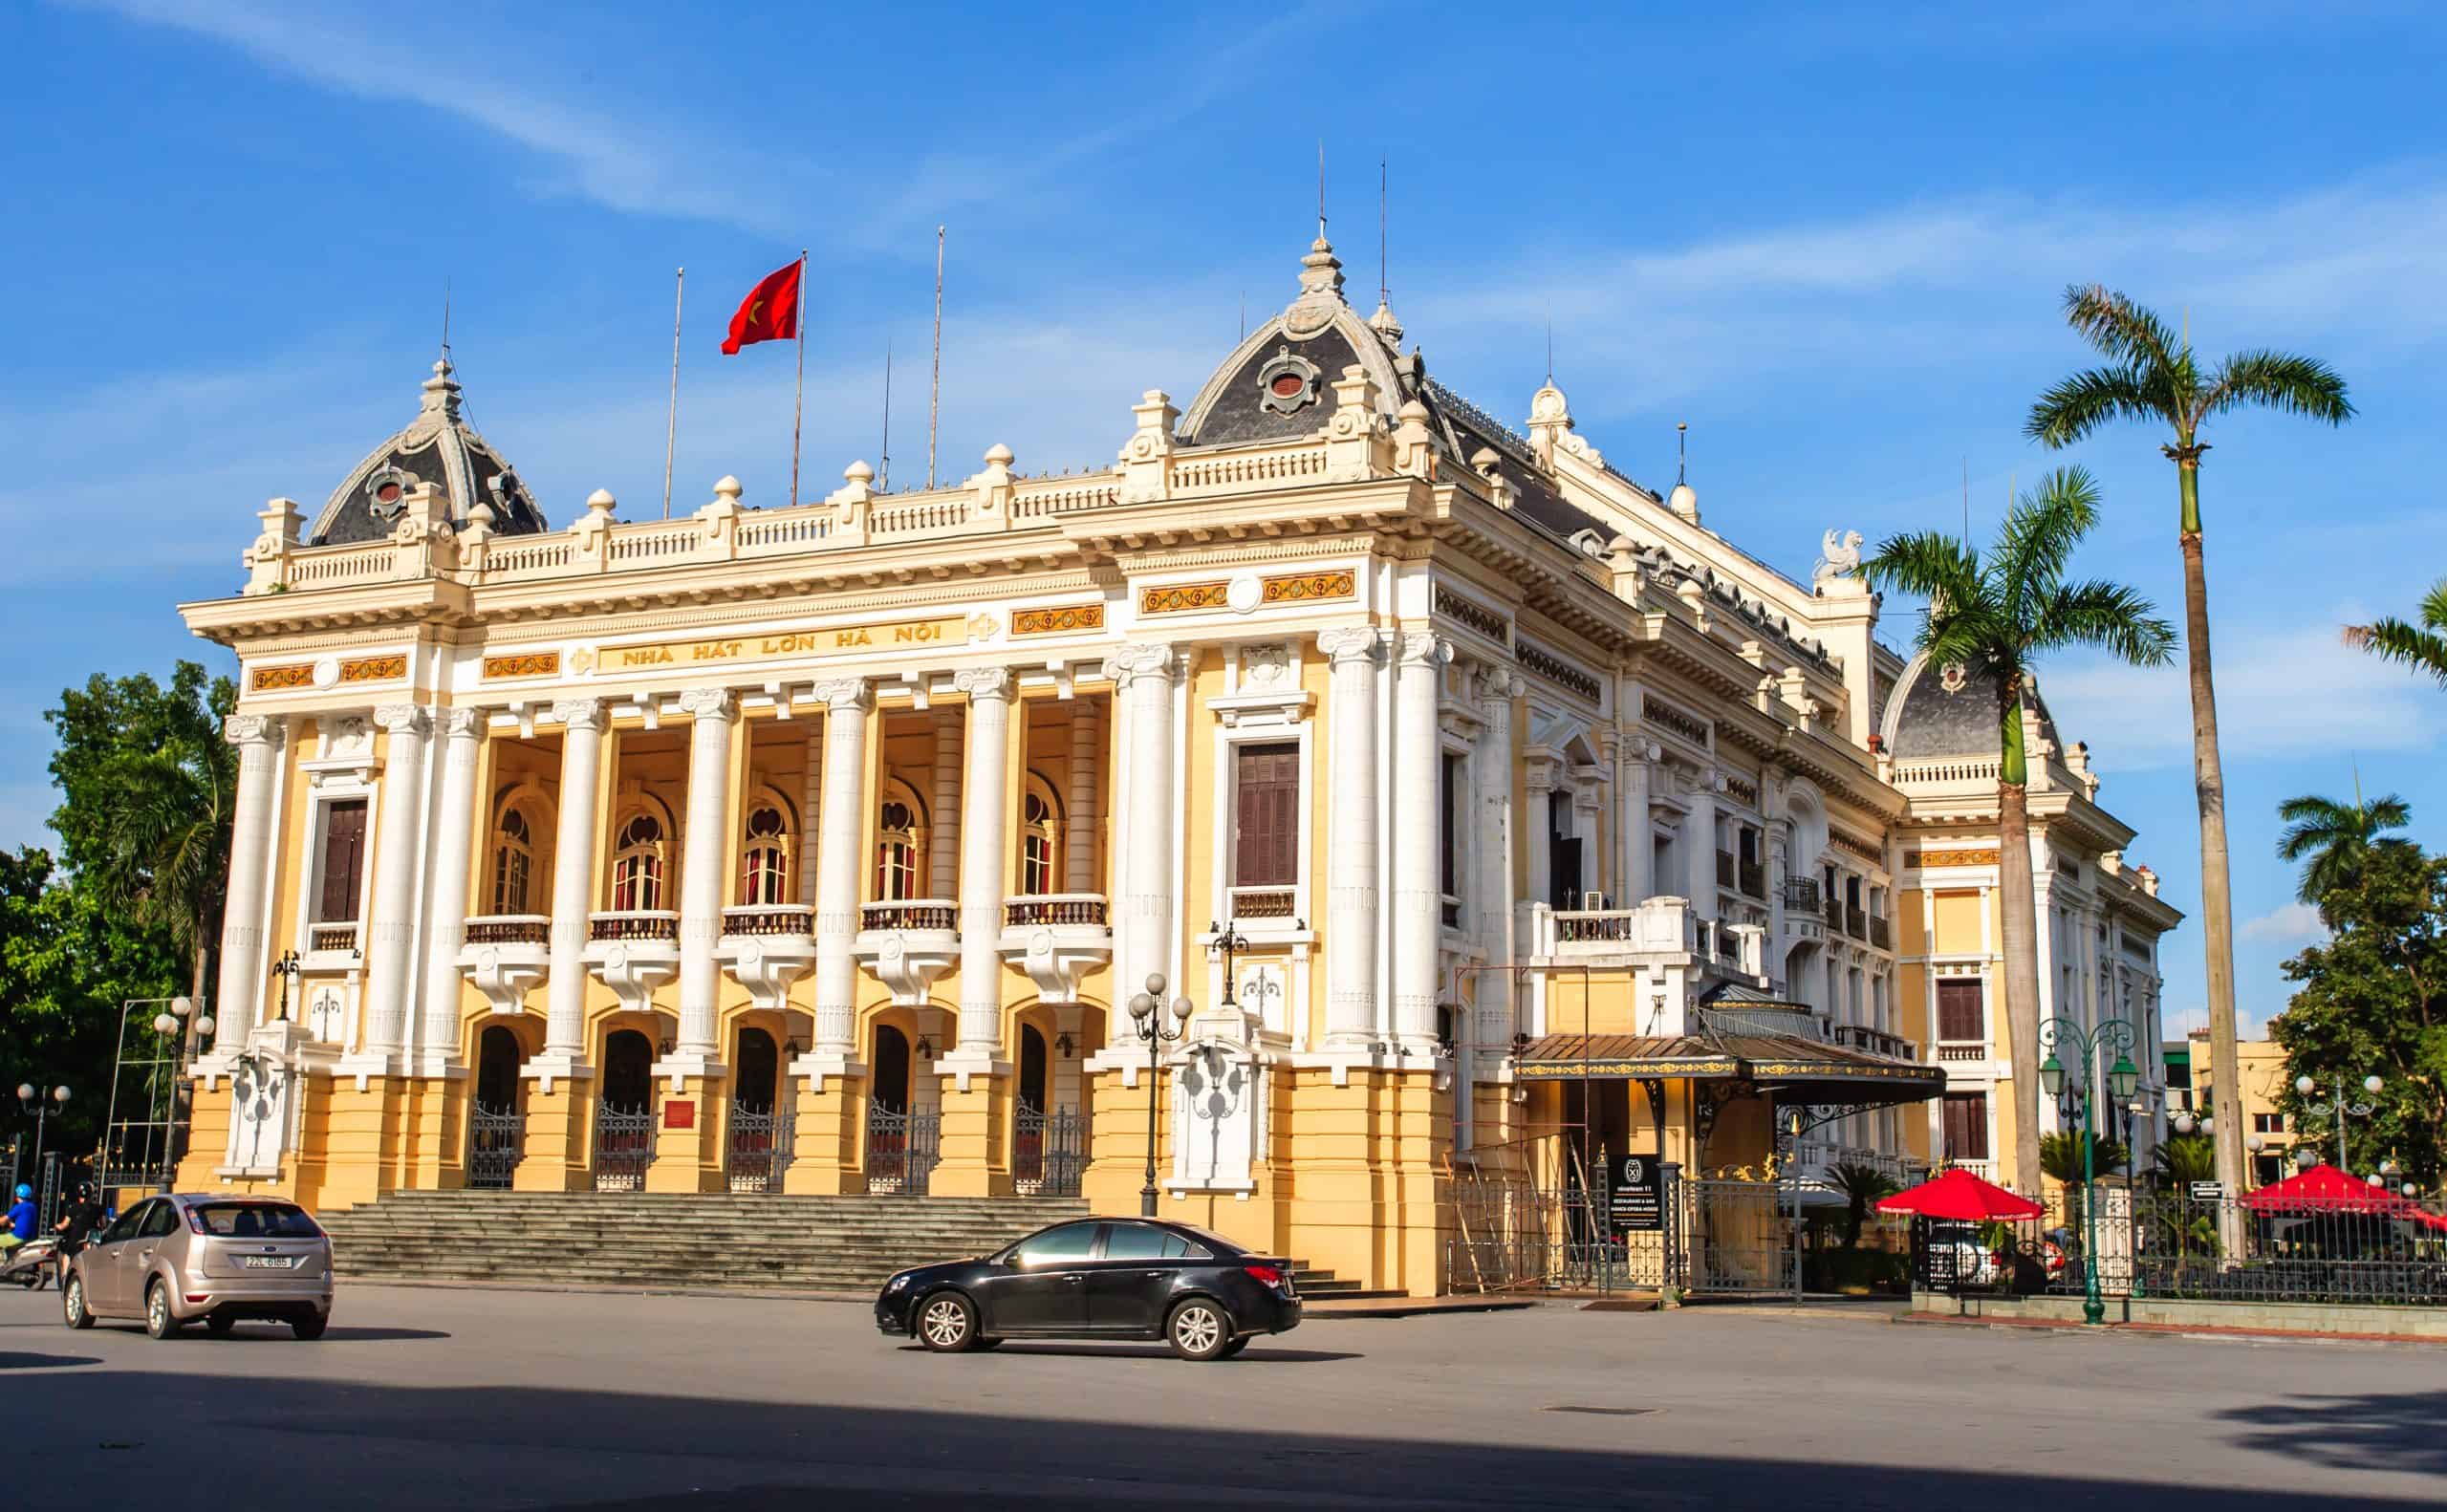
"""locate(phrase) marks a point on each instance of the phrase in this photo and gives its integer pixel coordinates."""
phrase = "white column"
(1699, 840)
(943, 841)
(1492, 768)
(1351, 870)
(701, 871)
(982, 865)
(392, 925)
(811, 810)
(1631, 758)
(1419, 897)
(258, 739)
(848, 706)
(1080, 818)
(581, 722)
(454, 826)
(1143, 675)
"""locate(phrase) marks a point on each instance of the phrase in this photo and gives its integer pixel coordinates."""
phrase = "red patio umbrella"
(2326, 1189)
(1959, 1195)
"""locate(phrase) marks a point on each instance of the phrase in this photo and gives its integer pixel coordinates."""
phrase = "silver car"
(214, 1258)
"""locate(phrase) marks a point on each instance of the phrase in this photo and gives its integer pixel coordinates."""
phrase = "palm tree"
(1999, 613)
(1861, 1185)
(2336, 838)
(2181, 1159)
(2152, 375)
(2423, 647)
(167, 858)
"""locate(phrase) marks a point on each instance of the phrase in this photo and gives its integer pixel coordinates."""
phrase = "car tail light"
(199, 1296)
(195, 1222)
(1267, 1275)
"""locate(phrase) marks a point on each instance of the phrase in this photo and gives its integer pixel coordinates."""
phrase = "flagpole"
(798, 398)
(671, 431)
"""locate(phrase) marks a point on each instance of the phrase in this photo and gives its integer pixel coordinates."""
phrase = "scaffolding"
(143, 1129)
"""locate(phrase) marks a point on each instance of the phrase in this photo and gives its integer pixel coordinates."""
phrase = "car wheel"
(309, 1327)
(72, 1304)
(158, 1322)
(219, 1327)
(1198, 1331)
(947, 1323)
(1235, 1346)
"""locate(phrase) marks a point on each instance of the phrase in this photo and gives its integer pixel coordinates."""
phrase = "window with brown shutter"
(1266, 816)
(1962, 1014)
(343, 861)
(1966, 1126)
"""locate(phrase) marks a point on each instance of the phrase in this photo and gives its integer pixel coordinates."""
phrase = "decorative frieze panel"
(1873, 855)
(1057, 620)
(524, 664)
(1949, 857)
(1175, 598)
(281, 678)
(1556, 669)
(1300, 588)
(1658, 712)
(374, 669)
(1245, 592)
(1473, 614)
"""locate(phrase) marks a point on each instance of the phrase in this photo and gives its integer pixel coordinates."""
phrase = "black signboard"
(1638, 1184)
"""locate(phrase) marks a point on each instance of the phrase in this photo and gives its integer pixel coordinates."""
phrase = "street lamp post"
(2117, 1034)
(32, 1099)
(1148, 1022)
(1229, 942)
(286, 968)
(2337, 1105)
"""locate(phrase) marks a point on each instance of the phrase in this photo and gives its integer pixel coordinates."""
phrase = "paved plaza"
(465, 1399)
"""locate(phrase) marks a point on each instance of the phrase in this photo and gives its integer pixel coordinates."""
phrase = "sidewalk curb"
(2163, 1330)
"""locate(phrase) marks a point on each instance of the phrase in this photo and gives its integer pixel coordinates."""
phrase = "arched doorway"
(1047, 1142)
(759, 1132)
(892, 1069)
(901, 1142)
(495, 1124)
(1031, 1067)
(624, 1112)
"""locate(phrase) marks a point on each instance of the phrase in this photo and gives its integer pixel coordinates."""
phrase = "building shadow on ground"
(10, 1361)
(364, 1443)
(2402, 1432)
(1254, 1355)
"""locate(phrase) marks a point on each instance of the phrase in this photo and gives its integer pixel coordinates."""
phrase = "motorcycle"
(32, 1263)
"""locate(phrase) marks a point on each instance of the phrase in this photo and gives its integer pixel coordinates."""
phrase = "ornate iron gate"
(901, 1150)
(623, 1147)
(1741, 1237)
(760, 1141)
(1049, 1150)
(493, 1145)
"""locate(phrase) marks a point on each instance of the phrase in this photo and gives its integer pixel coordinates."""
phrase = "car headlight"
(896, 1283)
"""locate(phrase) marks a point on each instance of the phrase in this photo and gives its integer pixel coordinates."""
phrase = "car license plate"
(268, 1261)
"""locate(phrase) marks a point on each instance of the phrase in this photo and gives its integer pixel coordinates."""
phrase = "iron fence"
(901, 1150)
(494, 1144)
(2390, 1251)
(760, 1141)
(1537, 1215)
(1049, 1152)
(623, 1147)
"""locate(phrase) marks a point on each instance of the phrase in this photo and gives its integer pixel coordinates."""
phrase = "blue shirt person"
(22, 1215)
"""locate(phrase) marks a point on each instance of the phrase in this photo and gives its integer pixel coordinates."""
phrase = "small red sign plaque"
(677, 1114)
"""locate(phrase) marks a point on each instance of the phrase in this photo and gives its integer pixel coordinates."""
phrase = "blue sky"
(1830, 238)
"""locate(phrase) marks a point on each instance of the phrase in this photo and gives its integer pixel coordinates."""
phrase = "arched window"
(513, 863)
(636, 865)
(1040, 841)
(899, 863)
(765, 857)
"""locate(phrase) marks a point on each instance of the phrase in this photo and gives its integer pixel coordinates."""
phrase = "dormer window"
(1288, 383)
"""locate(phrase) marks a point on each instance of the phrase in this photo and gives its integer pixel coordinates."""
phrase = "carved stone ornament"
(1355, 643)
(1288, 383)
(1128, 662)
(984, 682)
(1954, 677)
(1244, 592)
(1839, 555)
(1266, 666)
(579, 714)
(388, 489)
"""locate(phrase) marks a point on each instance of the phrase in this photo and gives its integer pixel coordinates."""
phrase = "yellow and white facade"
(825, 847)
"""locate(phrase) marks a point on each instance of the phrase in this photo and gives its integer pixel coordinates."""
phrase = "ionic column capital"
(578, 713)
(460, 723)
(1423, 649)
(984, 682)
(254, 729)
(403, 719)
(718, 704)
(844, 695)
(1350, 645)
(1129, 663)
(1498, 685)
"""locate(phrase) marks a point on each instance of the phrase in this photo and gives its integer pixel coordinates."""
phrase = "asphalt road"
(433, 1399)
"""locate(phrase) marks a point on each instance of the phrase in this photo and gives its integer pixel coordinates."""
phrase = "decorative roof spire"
(1320, 292)
(441, 392)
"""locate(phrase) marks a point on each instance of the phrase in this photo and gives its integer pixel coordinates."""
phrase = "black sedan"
(1098, 1278)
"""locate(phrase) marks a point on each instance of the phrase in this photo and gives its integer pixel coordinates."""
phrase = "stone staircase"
(696, 1242)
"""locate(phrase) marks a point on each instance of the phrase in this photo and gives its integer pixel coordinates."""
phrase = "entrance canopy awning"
(1798, 1068)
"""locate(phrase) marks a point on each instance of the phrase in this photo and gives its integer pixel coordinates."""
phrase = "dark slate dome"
(1951, 711)
(439, 447)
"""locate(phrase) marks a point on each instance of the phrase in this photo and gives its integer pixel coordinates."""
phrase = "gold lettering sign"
(831, 641)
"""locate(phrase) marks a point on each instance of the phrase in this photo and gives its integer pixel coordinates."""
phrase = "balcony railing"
(510, 929)
(1580, 929)
(1725, 868)
(769, 919)
(1263, 902)
(911, 913)
(1055, 908)
(1754, 879)
(1877, 1042)
(1964, 1050)
(642, 923)
(1857, 921)
(1881, 932)
(337, 935)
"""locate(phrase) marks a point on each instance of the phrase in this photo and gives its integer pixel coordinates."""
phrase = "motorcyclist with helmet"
(77, 1226)
(24, 1217)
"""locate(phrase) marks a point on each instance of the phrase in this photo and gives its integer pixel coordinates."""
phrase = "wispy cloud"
(2290, 924)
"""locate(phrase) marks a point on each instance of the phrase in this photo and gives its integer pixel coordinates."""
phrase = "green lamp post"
(2109, 1034)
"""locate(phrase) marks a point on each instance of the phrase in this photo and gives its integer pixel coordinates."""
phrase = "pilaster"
(1351, 865)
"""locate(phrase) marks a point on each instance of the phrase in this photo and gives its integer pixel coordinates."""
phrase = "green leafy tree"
(2423, 647)
(147, 787)
(2002, 611)
(2335, 839)
(2152, 375)
(2181, 1159)
(2372, 999)
(1862, 1184)
(2060, 1156)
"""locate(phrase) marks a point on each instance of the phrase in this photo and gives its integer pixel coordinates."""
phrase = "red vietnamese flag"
(770, 311)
